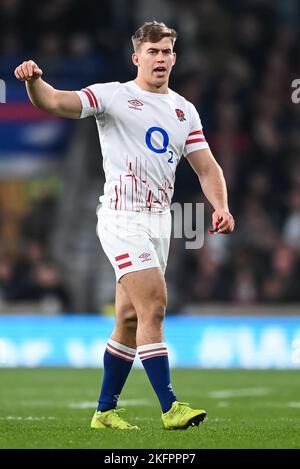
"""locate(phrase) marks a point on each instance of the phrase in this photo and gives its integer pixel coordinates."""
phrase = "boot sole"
(193, 422)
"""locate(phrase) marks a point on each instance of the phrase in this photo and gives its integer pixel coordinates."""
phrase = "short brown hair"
(152, 31)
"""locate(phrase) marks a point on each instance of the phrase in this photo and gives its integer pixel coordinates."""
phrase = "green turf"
(52, 408)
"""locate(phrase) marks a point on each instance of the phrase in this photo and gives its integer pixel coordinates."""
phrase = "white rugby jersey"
(143, 136)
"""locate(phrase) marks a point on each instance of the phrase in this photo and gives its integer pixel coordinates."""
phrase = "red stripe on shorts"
(122, 256)
(126, 264)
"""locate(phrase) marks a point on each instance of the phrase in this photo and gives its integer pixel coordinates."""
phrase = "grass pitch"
(52, 408)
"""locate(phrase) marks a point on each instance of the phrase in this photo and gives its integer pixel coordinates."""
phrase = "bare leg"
(126, 319)
(147, 292)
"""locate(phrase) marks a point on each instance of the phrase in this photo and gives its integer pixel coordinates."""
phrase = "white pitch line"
(246, 392)
(295, 405)
(17, 417)
(83, 405)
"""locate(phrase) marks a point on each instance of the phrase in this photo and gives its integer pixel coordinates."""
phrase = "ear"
(174, 58)
(135, 59)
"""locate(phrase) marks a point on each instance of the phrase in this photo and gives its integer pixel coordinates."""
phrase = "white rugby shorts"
(134, 241)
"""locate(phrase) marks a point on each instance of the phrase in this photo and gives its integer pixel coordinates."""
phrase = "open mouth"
(160, 69)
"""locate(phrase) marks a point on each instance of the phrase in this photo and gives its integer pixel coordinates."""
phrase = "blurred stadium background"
(237, 299)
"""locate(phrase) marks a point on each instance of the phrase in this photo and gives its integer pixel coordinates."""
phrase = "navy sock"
(118, 360)
(155, 361)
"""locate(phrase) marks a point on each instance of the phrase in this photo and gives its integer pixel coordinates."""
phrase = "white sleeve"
(195, 140)
(95, 99)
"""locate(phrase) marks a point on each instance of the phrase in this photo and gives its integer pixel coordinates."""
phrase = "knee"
(128, 320)
(157, 309)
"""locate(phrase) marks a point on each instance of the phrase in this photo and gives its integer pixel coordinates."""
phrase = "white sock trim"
(152, 350)
(121, 350)
(143, 348)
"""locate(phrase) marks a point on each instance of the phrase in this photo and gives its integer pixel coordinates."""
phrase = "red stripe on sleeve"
(195, 140)
(89, 97)
(95, 99)
(197, 132)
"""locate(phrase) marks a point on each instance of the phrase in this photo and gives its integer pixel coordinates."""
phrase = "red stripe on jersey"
(195, 140)
(120, 192)
(89, 98)
(149, 197)
(197, 132)
(121, 257)
(117, 197)
(95, 99)
(126, 264)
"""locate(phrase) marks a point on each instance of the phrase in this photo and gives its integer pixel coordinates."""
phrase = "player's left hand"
(223, 221)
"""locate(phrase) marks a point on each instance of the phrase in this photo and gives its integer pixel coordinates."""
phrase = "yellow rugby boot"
(111, 419)
(182, 416)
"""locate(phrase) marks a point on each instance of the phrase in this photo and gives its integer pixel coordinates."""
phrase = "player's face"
(155, 62)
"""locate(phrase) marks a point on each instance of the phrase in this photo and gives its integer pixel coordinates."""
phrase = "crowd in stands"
(31, 274)
(248, 58)
(236, 63)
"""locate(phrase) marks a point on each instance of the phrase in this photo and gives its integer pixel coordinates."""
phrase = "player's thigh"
(125, 311)
(146, 289)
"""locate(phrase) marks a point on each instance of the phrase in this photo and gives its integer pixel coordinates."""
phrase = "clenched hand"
(28, 71)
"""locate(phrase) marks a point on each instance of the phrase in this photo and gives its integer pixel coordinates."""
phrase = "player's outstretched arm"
(44, 96)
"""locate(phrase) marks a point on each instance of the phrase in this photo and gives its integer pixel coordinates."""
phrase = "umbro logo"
(135, 104)
(145, 256)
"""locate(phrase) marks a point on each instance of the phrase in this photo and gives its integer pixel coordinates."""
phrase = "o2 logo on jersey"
(165, 142)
